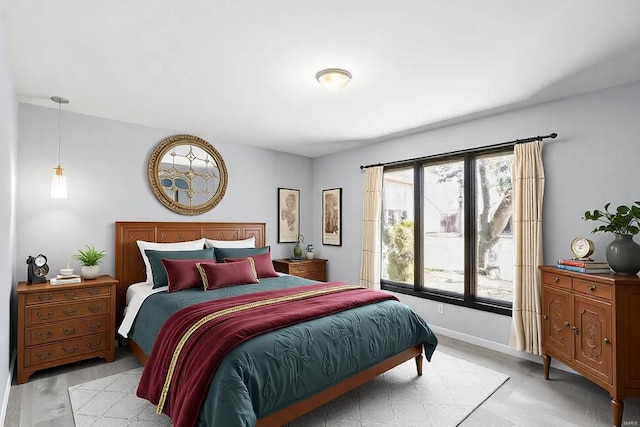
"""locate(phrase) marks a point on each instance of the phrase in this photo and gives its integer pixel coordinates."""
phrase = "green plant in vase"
(309, 250)
(623, 254)
(90, 259)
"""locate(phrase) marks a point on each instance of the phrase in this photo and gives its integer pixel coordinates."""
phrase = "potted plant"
(309, 249)
(623, 254)
(90, 259)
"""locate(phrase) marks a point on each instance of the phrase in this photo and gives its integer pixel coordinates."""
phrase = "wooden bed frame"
(129, 269)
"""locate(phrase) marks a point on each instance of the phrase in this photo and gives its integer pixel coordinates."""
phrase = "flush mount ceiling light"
(333, 78)
(59, 181)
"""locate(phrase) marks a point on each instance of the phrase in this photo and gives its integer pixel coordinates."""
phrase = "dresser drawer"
(66, 349)
(599, 290)
(45, 313)
(62, 331)
(557, 280)
(67, 295)
(298, 269)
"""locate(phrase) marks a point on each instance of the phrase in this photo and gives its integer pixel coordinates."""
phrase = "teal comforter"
(277, 369)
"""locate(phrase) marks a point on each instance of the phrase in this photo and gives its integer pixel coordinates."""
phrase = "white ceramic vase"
(309, 255)
(90, 271)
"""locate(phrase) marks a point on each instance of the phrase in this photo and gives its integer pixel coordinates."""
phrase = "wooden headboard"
(129, 266)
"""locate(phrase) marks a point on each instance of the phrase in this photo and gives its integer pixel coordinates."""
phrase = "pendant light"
(59, 181)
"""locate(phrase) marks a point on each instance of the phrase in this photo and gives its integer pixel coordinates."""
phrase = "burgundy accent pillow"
(183, 273)
(264, 266)
(221, 275)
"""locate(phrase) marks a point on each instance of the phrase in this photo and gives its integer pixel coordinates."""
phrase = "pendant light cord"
(59, 114)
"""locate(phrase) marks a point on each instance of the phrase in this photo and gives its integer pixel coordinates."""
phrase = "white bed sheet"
(136, 294)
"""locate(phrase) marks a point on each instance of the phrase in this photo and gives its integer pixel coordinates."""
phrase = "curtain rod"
(452, 153)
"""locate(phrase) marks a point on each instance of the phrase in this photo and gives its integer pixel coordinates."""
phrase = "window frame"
(469, 299)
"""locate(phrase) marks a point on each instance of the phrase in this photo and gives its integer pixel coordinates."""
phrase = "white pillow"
(246, 243)
(179, 246)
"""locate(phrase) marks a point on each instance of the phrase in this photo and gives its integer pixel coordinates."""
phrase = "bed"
(273, 401)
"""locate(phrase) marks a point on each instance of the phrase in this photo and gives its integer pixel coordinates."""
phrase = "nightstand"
(313, 269)
(60, 324)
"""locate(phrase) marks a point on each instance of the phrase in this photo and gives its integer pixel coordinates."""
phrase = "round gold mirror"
(187, 174)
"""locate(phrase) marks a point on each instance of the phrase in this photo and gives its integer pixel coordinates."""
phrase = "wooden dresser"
(313, 269)
(591, 323)
(59, 324)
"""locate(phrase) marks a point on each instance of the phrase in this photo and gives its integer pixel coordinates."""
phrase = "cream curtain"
(528, 192)
(371, 212)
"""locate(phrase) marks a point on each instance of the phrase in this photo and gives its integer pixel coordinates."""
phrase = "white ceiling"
(243, 71)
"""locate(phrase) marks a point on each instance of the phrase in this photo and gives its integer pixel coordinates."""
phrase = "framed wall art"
(332, 217)
(288, 215)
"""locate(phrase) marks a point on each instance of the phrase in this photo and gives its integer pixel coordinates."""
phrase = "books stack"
(583, 266)
(64, 280)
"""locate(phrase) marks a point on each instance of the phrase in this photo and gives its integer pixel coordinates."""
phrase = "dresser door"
(593, 341)
(556, 322)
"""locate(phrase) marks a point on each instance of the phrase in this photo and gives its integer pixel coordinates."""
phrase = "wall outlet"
(440, 308)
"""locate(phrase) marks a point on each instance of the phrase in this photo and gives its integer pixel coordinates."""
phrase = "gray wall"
(8, 164)
(593, 161)
(106, 161)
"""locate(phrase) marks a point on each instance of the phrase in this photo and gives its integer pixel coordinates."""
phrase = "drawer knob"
(567, 324)
(94, 346)
(45, 337)
(70, 350)
(70, 295)
(70, 312)
(94, 291)
(575, 329)
(44, 356)
(95, 309)
(545, 317)
(70, 331)
(591, 288)
(606, 341)
(45, 317)
(45, 297)
(94, 327)
(556, 279)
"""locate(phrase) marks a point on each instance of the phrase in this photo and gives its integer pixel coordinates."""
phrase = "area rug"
(449, 390)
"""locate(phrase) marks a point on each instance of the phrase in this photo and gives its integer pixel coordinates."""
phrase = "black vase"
(623, 255)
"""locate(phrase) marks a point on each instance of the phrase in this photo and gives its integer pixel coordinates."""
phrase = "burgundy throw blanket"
(193, 341)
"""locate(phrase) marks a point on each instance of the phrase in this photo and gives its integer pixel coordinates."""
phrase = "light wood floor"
(526, 399)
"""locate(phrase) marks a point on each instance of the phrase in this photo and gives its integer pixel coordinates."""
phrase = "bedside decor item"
(309, 249)
(66, 272)
(332, 217)
(623, 254)
(187, 175)
(288, 215)
(582, 248)
(37, 269)
(297, 250)
(90, 260)
(59, 181)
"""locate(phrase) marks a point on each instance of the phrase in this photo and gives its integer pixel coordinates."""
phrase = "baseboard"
(501, 348)
(7, 389)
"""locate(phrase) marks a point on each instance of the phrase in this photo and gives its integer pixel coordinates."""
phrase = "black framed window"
(446, 229)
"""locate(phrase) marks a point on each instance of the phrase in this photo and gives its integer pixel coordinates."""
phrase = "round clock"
(37, 269)
(40, 260)
(582, 247)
